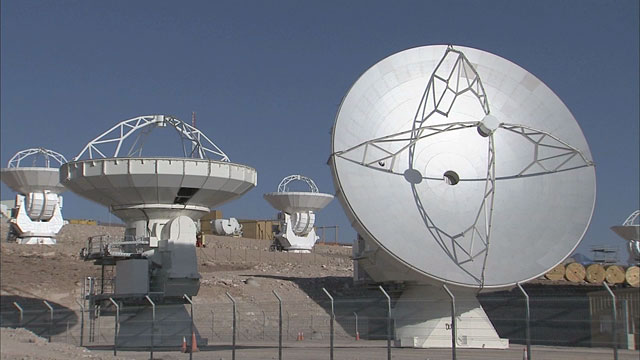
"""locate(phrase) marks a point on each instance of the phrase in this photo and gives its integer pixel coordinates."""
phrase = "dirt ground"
(56, 272)
(23, 344)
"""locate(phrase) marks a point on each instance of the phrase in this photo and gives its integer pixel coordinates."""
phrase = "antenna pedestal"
(423, 320)
(297, 232)
(148, 220)
(38, 218)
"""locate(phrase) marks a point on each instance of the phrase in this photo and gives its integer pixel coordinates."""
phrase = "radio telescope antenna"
(159, 199)
(630, 231)
(297, 213)
(33, 175)
(483, 174)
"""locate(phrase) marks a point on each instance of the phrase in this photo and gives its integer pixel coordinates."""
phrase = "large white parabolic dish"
(136, 187)
(468, 171)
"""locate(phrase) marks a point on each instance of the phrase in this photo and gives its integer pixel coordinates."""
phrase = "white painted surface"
(437, 232)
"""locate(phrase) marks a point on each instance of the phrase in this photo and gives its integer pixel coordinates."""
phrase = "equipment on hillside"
(297, 213)
(630, 231)
(37, 216)
(227, 227)
(158, 198)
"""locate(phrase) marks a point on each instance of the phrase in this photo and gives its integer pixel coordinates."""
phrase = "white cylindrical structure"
(226, 227)
(302, 222)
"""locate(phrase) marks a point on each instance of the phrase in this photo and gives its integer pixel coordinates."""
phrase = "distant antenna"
(37, 217)
(297, 213)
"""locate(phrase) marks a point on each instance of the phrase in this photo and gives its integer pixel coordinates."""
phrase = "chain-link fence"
(339, 326)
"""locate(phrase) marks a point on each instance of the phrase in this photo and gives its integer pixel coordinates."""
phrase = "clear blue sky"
(266, 77)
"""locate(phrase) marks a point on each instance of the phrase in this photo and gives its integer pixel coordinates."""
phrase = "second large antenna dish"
(483, 175)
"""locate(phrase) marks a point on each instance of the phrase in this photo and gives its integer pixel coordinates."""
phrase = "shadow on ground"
(36, 316)
(367, 302)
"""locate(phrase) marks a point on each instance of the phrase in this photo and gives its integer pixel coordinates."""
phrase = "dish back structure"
(458, 167)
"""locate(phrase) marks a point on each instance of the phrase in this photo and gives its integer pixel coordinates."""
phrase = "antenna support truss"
(14, 162)
(201, 146)
(282, 187)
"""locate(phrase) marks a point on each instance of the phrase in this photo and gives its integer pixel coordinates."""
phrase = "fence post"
(233, 339)
(81, 322)
(333, 315)
(614, 324)
(115, 331)
(527, 321)
(21, 310)
(212, 318)
(50, 318)
(624, 306)
(153, 322)
(264, 323)
(388, 321)
(192, 334)
(453, 322)
(357, 332)
(288, 331)
(279, 324)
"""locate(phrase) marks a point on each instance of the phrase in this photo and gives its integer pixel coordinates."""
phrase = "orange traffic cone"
(357, 335)
(184, 345)
(301, 335)
(194, 343)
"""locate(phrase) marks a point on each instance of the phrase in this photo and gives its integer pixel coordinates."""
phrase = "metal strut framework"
(630, 220)
(453, 77)
(282, 187)
(201, 146)
(37, 153)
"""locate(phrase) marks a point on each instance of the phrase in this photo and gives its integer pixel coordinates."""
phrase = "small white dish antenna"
(33, 174)
(297, 213)
(630, 231)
